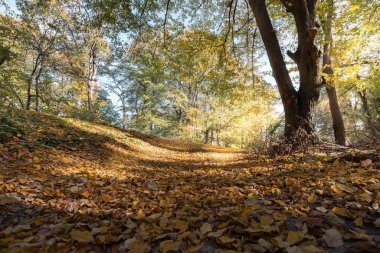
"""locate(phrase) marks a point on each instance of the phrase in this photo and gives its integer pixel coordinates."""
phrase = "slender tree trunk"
(30, 81)
(37, 88)
(123, 111)
(92, 72)
(207, 136)
(370, 124)
(29, 94)
(338, 124)
(298, 105)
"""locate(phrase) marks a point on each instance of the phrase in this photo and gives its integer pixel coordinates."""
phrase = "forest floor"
(72, 186)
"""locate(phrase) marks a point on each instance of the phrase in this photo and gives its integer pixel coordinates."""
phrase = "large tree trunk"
(338, 124)
(298, 105)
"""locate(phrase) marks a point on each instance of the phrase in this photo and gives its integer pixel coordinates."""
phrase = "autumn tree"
(298, 104)
(337, 120)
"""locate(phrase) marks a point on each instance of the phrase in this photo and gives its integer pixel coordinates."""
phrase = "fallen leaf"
(342, 212)
(333, 238)
(81, 236)
(358, 221)
(377, 223)
(169, 245)
(6, 199)
(226, 239)
(182, 226)
(312, 198)
(266, 220)
(366, 163)
(321, 209)
(205, 228)
(265, 244)
(294, 237)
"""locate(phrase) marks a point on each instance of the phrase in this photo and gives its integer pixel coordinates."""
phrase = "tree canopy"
(206, 71)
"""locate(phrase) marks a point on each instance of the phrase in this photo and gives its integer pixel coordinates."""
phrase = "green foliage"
(190, 70)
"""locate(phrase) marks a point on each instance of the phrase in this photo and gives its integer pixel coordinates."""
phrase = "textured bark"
(338, 124)
(277, 62)
(298, 105)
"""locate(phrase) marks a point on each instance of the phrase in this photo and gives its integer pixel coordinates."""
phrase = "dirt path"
(68, 185)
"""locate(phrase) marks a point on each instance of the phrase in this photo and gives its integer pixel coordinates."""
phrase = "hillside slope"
(73, 185)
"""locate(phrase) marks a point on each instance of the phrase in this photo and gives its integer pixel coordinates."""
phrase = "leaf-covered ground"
(71, 186)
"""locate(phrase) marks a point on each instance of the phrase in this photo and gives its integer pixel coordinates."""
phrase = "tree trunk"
(338, 124)
(298, 105)
(124, 113)
(207, 136)
(370, 125)
(30, 81)
(29, 94)
(92, 72)
(37, 88)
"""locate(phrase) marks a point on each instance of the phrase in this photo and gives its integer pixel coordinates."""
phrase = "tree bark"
(30, 81)
(298, 105)
(338, 124)
(370, 124)
(92, 72)
(37, 88)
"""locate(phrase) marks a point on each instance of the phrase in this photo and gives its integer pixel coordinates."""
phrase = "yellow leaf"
(81, 236)
(358, 221)
(280, 202)
(140, 214)
(163, 203)
(361, 235)
(280, 216)
(266, 220)
(338, 188)
(182, 226)
(106, 197)
(226, 239)
(85, 194)
(365, 196)
(205, 228)
(312, 198)
(169, 245)
(294, 237)
(342, 212)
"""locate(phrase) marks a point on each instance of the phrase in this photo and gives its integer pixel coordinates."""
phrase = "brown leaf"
(169, 245)
(333, 238)
(81, 236)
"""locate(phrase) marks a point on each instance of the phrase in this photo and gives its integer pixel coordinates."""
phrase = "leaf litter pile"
(68, 185)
